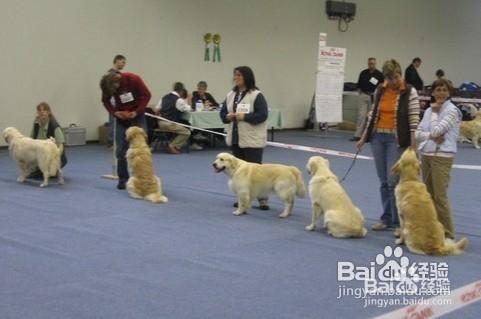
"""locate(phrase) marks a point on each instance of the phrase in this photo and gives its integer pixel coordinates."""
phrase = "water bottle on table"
(199, 105)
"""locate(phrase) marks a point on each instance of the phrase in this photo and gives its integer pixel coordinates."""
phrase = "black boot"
(123, 173)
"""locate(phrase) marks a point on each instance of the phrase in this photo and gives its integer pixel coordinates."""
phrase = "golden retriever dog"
(420, 229)
(470, 131)
(142, 184)
(30, 154)
(250, 180)
(328, 198)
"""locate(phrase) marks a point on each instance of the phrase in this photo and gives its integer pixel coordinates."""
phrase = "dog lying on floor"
(420, 229)
(328, 198)
(250, 180)
(142, 184)
(470, 131)
(30, 154)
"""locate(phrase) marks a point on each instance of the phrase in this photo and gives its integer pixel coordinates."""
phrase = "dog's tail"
(300, 187)
(451, 247)
(157, 198)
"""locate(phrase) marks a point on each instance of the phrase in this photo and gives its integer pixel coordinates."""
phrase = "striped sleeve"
(449, 121)
(413, 108)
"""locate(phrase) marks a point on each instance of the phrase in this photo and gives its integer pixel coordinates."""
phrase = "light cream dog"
(30, 154)
(420, 229)
(249, 181)
(142, 184)
(328, 198)
(470, 131)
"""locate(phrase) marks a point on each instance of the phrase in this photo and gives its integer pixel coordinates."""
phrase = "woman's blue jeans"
(386, 152)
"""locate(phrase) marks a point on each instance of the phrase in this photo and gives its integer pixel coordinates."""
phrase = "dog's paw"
(21, 179)
(61, 181)
(43, 185)
(399, 241)
(284, 215)
(237, 213)
(310, 227)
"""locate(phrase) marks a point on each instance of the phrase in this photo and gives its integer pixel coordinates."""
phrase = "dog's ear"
(396, 169)
(328, 164)
(312, 166)
(234, 162)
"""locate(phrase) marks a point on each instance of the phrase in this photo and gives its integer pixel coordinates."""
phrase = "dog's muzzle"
(217, 169)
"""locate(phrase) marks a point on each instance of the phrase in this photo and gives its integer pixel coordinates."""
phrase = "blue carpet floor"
(87, 250)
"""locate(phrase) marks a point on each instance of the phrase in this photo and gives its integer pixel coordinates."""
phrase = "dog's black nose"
(213, 164)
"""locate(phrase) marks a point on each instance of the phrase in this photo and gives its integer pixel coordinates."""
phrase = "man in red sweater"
(125, 96)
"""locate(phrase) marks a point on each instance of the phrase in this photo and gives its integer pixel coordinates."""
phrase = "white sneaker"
(196, 147)
(200, 137)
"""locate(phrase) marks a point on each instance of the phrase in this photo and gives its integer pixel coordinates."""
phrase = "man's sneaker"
(196, 147)
(172, 150)
(200, 137)
(380, 226)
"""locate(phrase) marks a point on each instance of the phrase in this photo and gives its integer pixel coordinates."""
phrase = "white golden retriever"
(341, 217)
(142, 184)
(421, 230)
(470, 131)
(30, 153)
(251, 180)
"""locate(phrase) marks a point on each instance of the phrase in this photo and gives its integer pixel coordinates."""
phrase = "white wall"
(57, 50)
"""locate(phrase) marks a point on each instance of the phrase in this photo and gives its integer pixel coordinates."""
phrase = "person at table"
(245, 110)
(172, 106)
(201, 95)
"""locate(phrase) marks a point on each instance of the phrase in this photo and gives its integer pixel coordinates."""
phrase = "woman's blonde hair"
(391, 67)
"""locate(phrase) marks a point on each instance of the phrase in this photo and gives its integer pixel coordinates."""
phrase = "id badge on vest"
(373, 81)
(243, 108)
(126, 97)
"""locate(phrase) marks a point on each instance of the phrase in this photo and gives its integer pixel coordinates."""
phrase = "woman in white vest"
(437, 135)
(245, 110)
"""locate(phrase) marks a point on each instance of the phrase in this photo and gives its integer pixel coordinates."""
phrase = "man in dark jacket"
(411, 74)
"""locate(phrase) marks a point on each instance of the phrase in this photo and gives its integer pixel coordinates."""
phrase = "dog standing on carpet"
(421, 230)
(250, 180)
(328, 198)
(142, 184)
(30, 153)
(470, 131)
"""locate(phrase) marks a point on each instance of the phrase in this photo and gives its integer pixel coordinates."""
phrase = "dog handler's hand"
(360, 144)
(240, 116)
(231, 116)
(120, 115)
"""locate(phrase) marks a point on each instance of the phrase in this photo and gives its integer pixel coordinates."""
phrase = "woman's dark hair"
(108, 83)
(440, 73)
(178, 86)
(248, 75)
(442, 82)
